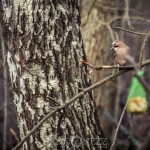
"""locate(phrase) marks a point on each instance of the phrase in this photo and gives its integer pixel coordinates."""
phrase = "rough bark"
(45, 47)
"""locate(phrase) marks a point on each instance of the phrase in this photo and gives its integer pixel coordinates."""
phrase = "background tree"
(98, 35)
(99, 21)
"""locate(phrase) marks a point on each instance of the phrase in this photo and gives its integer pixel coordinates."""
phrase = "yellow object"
(137, 105)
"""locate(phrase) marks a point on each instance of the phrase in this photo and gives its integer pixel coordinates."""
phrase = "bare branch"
(14, 134)
(131, 60)
(138, 33)
(99, 67)
(5, 106)
(142, 48)
(141, 80)
(73, 100)
(133, 66)
(113, 121)
(116, 133)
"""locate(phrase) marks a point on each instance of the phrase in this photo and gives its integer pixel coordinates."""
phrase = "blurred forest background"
(99, 19)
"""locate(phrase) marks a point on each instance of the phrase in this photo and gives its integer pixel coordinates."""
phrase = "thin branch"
(145, 63)
(142, 48)
(147, 35)
(113, 121)
(99, 67)
(141, 80)
(131, 60)
(65, 105)
(73, 100)
(129, 67)
(14, 134)
(116, 133)
(117, 98)
(6, 106)
(133, 66)
(138, 33)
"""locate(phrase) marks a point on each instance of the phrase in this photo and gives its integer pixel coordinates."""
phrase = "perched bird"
(121, 53)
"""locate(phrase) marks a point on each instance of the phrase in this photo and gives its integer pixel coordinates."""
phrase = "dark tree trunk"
(45, 48)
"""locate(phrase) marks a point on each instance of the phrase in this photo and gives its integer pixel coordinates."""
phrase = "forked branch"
(84, 91)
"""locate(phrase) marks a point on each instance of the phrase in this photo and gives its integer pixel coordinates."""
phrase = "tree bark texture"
(45, 47)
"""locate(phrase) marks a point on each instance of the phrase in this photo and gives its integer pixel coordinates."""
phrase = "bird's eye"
(116, 46)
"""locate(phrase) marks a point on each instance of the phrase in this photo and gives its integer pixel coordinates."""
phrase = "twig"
(99, 67)
(73, 100)
(147, 35)
(145, 63)
(6, 106)
(141, 80)
(14, 134)
(133, 66)
(138, 33)
(65, 105)
(142, 48)
(116, 133)
(117, 98)
(113, 121)
(131, 60)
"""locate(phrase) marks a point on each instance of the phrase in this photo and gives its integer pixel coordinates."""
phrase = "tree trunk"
(45, 47)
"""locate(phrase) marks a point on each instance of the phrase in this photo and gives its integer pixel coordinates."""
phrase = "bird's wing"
(129, 51)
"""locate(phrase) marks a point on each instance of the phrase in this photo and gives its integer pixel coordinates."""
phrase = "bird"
(121, 53)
